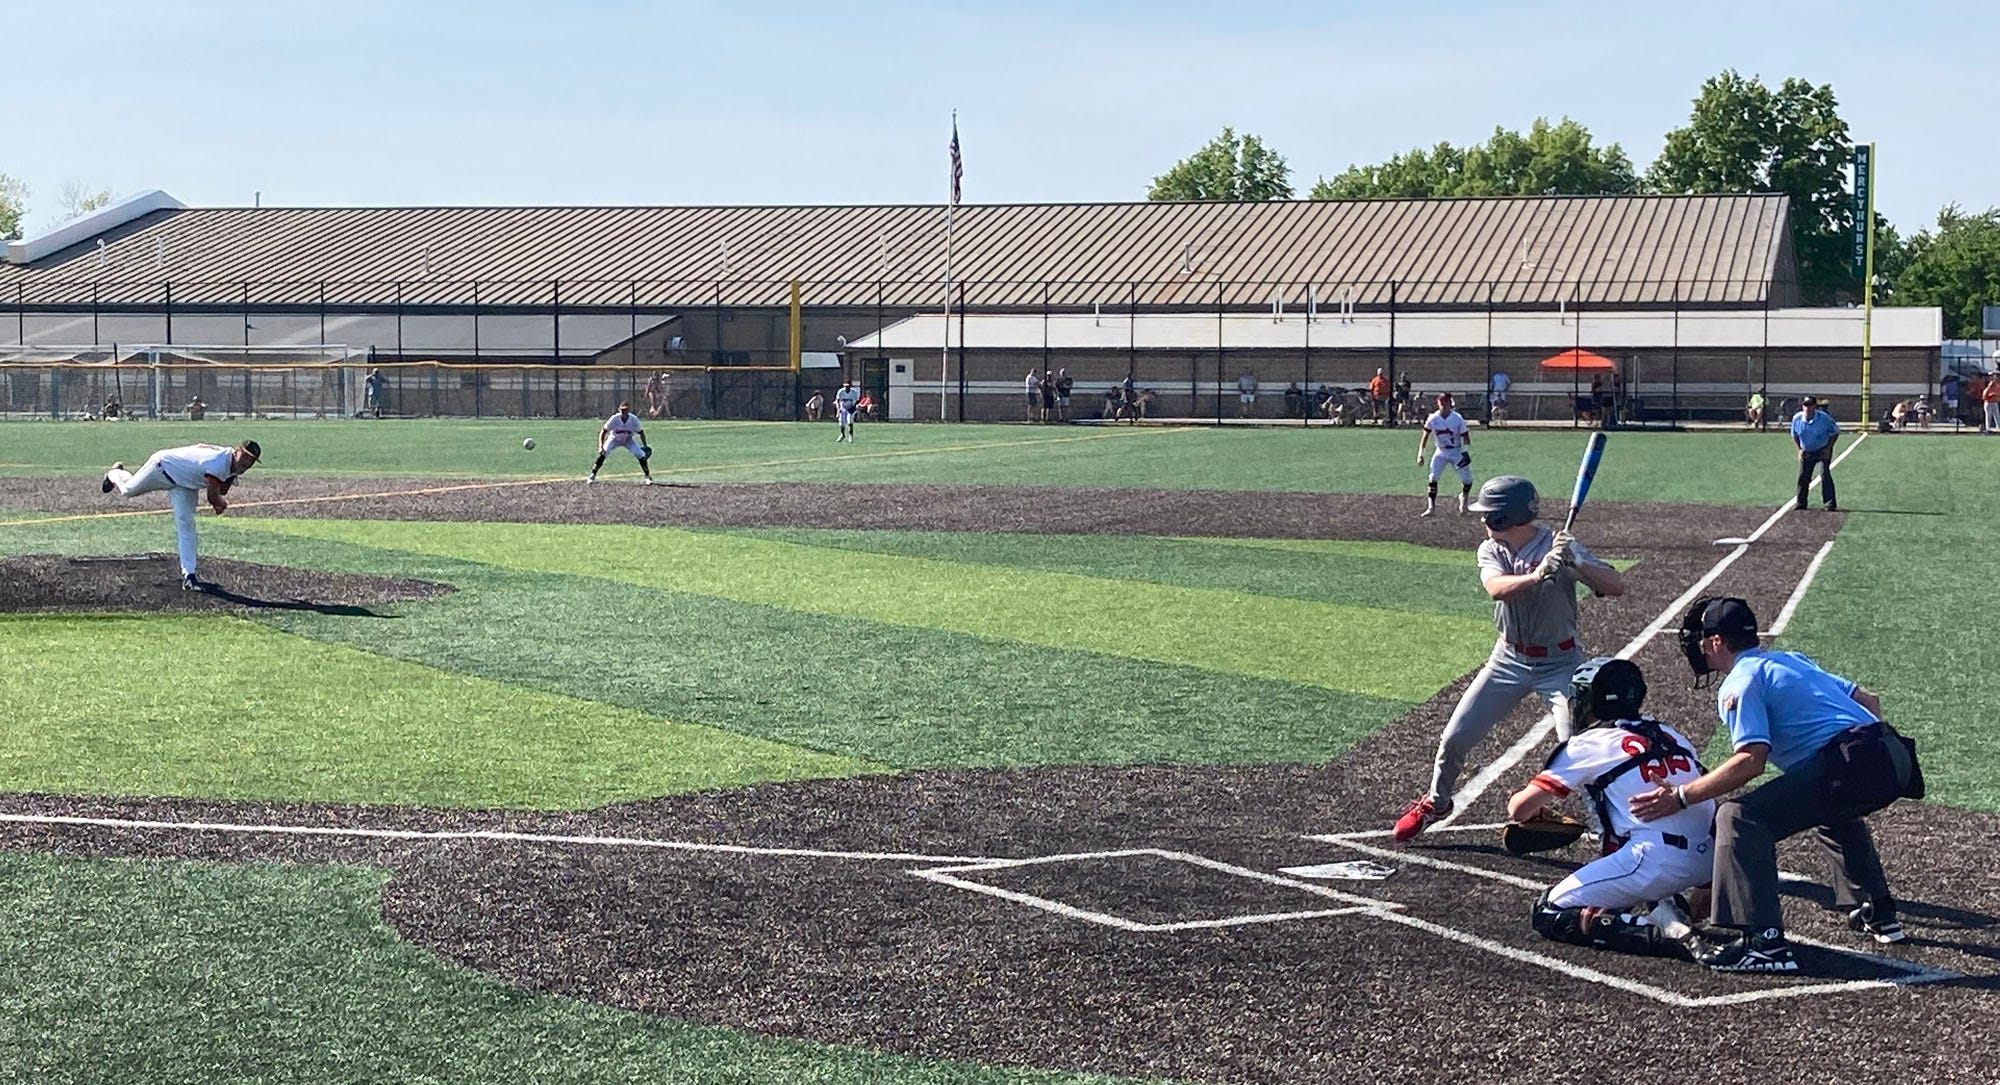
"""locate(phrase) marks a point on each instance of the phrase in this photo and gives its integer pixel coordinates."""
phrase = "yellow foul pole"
(1868, 288)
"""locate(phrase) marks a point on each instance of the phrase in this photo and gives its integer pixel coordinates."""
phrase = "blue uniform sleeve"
(1744, 713)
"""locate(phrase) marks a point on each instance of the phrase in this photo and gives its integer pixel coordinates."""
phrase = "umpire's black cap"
(1728, 618)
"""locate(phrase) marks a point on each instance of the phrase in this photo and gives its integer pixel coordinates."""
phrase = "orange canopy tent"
(1579, 360)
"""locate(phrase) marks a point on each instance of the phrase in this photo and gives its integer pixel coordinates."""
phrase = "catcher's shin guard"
(1601, 928)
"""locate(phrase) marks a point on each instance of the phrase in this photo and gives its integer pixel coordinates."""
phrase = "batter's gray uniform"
(1536, 653)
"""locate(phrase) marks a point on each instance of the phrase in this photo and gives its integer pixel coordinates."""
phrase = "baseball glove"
(1465, 459)
(1546, 831)
(645, 452)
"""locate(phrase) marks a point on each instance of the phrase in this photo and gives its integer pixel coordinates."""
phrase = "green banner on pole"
(1864, 179)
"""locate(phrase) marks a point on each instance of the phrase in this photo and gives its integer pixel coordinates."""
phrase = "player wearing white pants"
(185, 473)
(845, 402)
(1531, 575)
(1614, 755)
(1454, 451)
(623, 430)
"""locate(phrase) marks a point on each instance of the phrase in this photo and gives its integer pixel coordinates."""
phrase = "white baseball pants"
(152, 478)
(1641, 872)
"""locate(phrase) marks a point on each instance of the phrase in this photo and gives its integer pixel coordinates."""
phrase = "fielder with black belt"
(1531, 574)
(1840, 763)
(185, 473)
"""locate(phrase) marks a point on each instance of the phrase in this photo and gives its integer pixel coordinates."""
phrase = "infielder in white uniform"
(1454, 449)
(1531, 574)
(186, 473)
(1624, 900)
(623, 430)
(844, 404)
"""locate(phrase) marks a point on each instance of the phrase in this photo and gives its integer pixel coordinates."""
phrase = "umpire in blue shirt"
(1815, 432)
(1839, 761)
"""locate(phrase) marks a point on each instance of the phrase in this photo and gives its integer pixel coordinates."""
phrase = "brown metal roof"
(1624, 250)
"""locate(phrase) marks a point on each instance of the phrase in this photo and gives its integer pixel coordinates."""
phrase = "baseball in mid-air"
(529, 444)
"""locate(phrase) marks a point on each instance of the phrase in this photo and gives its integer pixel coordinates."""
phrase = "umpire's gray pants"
(1500, 685)
(1747, 831)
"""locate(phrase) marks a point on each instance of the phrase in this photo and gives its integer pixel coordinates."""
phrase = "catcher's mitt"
(1546, 831)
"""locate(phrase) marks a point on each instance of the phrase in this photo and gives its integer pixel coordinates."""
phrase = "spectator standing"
(1989, 397)
(655, 393)
(1246, 394)
(1294, 401)
(1814, 432)
(1404, 404)
(1948, 390)
(1378, 396)
(1033, 386)
(374, 389)
(1065, 385)
(1048, 396)
(1496, 400)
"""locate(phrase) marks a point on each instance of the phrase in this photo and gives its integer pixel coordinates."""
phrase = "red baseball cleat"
(1419, 814)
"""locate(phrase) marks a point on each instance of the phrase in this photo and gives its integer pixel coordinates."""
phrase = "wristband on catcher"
(1680, 795)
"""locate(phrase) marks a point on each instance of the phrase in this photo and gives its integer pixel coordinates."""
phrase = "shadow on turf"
(338, 610)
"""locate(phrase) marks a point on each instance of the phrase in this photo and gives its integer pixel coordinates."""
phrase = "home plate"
(1359, 870)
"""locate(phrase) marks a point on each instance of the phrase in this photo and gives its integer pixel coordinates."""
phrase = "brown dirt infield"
(859, 951)
(151, 583)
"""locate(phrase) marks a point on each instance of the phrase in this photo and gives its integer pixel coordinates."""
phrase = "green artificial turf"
(1353, 649)
(164, 973)
(221, 708)
(1706, 467)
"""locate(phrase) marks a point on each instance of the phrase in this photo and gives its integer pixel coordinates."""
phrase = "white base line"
(513, 837)
(1914, 973)
(1546, 726)
(1792, 604)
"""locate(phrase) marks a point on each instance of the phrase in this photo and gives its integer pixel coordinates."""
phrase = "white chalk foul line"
(1913, 973)
(1546, 726)
(1792, 604)
(484, 834)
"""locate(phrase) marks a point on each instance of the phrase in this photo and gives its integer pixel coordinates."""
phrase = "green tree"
(1956, 268)
(1742, 136)
(13, 205)
(1549, 160)
(1229, 167)
(78, 199)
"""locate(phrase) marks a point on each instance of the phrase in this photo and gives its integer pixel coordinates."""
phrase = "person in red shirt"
(1990, 396)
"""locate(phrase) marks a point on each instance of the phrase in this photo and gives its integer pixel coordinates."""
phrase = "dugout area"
(1117, 919)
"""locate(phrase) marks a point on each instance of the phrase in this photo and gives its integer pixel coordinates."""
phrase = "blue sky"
(778, 102)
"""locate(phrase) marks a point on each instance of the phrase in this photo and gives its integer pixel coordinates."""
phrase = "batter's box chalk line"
(1909, 972)
(1348, 903)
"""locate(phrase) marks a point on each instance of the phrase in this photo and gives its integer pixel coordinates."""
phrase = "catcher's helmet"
(1507, 501)
(1605, 690)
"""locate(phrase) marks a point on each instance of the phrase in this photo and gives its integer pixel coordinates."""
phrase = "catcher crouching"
(1627, 899)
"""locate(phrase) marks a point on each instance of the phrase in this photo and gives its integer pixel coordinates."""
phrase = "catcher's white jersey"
(622, 426)
(1448, 430)
(1592, 753)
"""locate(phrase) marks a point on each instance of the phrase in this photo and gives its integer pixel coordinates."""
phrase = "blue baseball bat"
(1585, 471)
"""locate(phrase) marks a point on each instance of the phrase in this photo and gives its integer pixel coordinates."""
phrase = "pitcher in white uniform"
(186, 473)
(1627, 899)
(1531, 575)
(1454, 450)
(623, 430)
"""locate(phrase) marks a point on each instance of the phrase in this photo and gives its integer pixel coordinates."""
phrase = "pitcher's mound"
(54, 583)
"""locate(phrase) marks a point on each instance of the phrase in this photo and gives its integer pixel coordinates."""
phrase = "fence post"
(1389, 414)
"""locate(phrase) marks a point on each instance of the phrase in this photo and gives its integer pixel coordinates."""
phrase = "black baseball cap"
(256, 451)
(1808, 401)
(1728, 618)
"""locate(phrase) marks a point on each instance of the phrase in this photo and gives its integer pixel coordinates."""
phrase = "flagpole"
(950, 211)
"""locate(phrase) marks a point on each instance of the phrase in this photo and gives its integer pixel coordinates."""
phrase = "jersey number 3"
(1659, 769)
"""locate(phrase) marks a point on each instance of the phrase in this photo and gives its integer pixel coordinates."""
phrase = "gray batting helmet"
(1508, 501)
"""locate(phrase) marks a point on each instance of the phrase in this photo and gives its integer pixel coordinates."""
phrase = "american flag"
(957, 163)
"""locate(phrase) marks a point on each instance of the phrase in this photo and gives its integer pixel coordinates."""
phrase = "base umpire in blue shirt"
(1839, 761)
(1814, 431)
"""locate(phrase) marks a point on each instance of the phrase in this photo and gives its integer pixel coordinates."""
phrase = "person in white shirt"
(185, 473)
(1454, 449)
(1246, 393)
(623, 430)
(845, 402)
(1614, 753)
(1033, 386)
